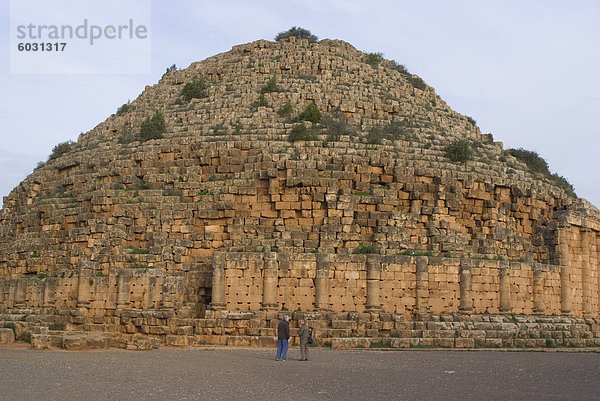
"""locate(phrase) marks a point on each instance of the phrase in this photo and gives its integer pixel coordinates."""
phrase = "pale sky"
(527, 71)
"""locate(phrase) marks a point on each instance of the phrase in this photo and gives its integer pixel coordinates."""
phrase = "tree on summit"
(299, 33)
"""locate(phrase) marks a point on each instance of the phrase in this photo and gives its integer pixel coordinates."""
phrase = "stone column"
(48, 297)
(322, 282)
(20, 288)
(83, 287)
(504, 273)
(218, 301)
(596, 267)
(538, 290)
(373, 283)
(466, 286)
(12, 293)
(565, 269)
(123, 289)
(422, 298)
(586, 286)
(270, 281)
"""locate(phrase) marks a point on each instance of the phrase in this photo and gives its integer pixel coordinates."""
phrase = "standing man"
(303, 333)
(283, 335)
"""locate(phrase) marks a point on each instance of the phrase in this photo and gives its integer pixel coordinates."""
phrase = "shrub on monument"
(458, 151)
(310, 113)
(300, 133)
(194, 90)
(271, 86)
(153, 127)
(123, 109)
(299, 33)
(60, 149)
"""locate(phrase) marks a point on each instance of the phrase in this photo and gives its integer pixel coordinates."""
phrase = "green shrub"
(194, 90)
(171, 68)
(537, 165)
(123, 109)
(300, 133)
(534, 162)
(417, 82)
(458, 151)
(334, 128)
(271, 86)
(394, 130)
(60, 149)
(153, 127)
(310, 113)
(262, 102)
(299, 33)
(365, 250)
(127, 136)
(373, 59)
(563, 183)
(400, 68)
(472, 121)
(285, 110)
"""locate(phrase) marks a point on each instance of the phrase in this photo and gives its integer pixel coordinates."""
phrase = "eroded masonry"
(365, 227)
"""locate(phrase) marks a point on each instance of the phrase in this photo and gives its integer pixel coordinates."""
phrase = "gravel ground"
(253, 374)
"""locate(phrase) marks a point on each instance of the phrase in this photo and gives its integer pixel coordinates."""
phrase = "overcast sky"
(527, 71)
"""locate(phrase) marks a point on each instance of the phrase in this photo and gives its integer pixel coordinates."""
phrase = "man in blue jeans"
(283, 335)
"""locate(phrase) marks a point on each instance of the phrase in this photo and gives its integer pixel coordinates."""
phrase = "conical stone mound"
(281, 164)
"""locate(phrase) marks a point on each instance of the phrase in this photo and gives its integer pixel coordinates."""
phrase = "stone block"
(252, 341)
(7, 336)
(464, 343)
(74, 341)
(349, 343)
(40, 341)
(443, 342)
(177, 340)
(493, 342)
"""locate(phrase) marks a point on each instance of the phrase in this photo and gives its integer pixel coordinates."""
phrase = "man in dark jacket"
(283, 335)
(303, 333)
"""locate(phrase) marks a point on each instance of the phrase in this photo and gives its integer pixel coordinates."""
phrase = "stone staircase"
(137, 329)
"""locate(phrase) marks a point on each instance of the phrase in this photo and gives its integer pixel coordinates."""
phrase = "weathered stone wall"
(401, 284)
(99, 295)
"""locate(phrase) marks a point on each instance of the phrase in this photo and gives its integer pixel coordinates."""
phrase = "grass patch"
(136, 266)
(365, 250)
(415, 252)
(136, 251)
